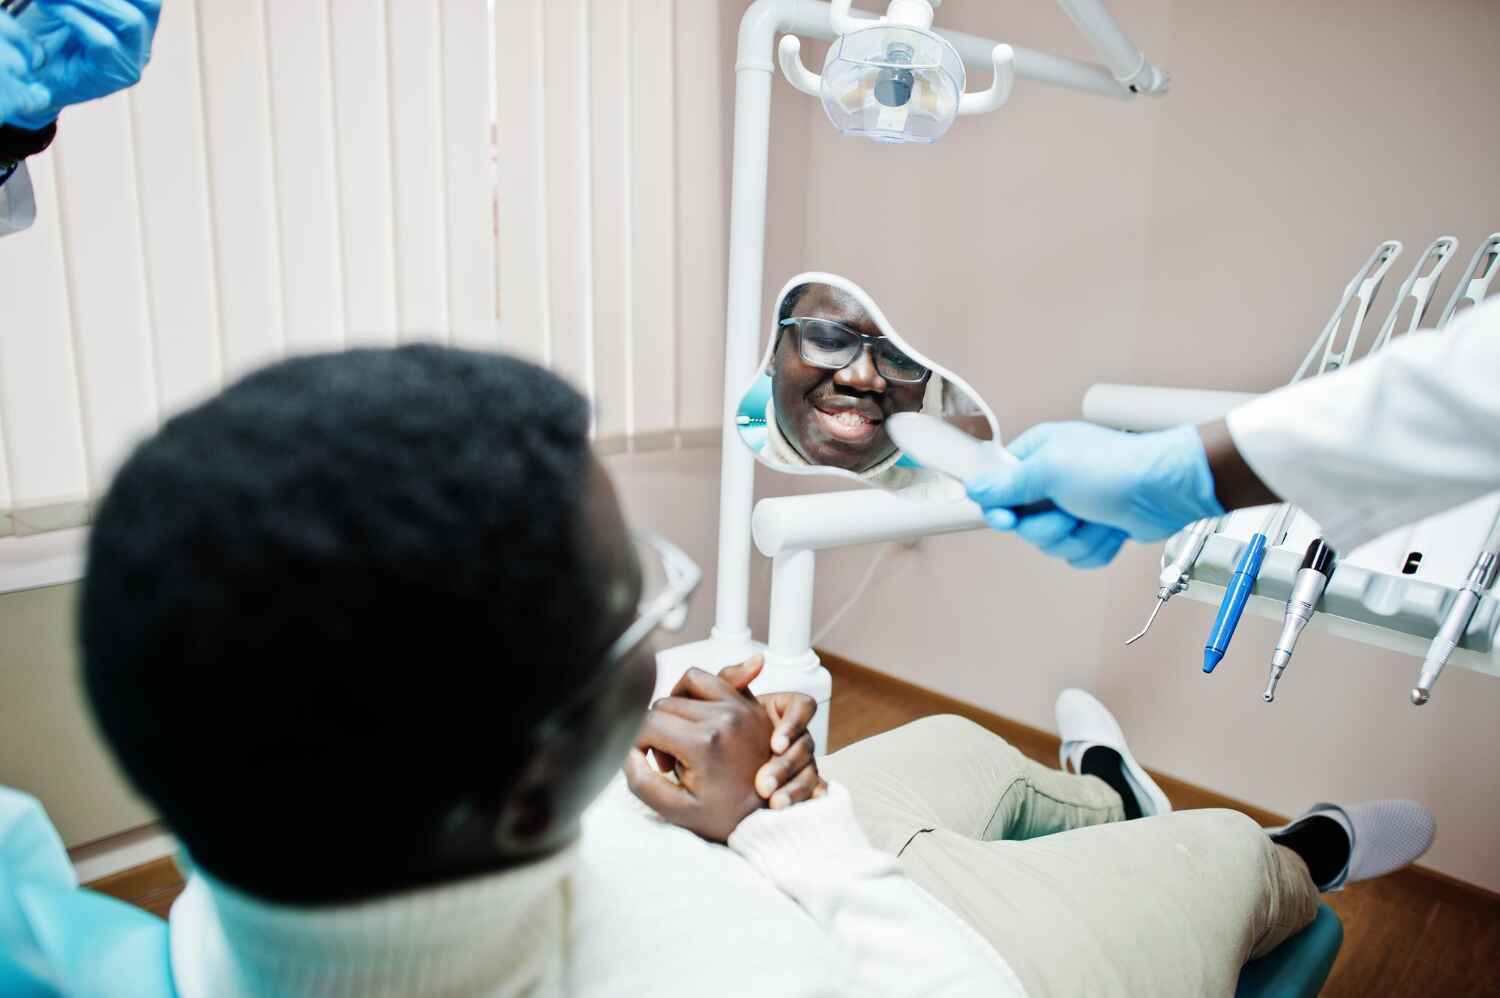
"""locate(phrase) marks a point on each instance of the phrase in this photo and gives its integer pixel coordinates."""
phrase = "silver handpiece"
(1455, 623)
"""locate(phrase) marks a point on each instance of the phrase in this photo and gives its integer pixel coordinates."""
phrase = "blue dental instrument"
(1237, 591)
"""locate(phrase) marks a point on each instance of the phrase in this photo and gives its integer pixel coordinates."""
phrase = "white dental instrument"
(1475, 283)
(1460, 613)
(1418, 288)
(1471, 288)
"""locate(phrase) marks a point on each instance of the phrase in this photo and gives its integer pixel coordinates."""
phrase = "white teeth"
(849, 418)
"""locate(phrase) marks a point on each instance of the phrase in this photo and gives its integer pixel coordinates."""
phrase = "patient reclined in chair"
(366, 629)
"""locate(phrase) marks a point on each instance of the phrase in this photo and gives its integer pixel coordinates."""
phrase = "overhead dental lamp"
(894, 80)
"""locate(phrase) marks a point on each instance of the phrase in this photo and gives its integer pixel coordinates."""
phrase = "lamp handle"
(789, 54)
(1004, 60)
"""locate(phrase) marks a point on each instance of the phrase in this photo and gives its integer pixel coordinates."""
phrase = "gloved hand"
(92, 47)
(20, 55)
(1107, 486)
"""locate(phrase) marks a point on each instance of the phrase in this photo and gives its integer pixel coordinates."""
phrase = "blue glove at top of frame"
(20, 57)
(92, 48)
(1107, 486)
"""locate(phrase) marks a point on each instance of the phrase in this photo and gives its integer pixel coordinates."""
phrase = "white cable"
(859, 590)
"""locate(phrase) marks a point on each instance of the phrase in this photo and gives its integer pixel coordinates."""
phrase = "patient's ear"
(527, 819)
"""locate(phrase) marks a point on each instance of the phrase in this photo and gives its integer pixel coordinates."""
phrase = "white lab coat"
(17, 202)
(1396, 438)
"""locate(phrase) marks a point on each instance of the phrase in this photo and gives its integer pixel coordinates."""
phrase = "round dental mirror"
(839, 391)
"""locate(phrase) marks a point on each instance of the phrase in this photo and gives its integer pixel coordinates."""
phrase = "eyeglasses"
(833, 346)
(668, 579)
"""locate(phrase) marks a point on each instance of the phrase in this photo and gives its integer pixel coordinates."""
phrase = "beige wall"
(1200, 240)
(48, 746)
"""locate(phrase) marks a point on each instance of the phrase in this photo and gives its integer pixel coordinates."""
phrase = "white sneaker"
(1384, 836)
(1083, 722)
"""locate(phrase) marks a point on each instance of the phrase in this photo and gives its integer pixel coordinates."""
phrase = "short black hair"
(322, 606)
(789, 304)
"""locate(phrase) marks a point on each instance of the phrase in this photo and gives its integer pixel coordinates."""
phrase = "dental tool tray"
(1391, 593)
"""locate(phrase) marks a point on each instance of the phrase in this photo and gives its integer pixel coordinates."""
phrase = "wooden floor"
(1415, 933)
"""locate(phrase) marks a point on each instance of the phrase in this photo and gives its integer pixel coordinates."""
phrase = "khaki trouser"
(1040, 862)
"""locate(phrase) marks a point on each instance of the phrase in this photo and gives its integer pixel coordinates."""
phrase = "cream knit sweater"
(798, 905)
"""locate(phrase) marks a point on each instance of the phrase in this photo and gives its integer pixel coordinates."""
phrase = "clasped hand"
(62, 52)
(728, 752)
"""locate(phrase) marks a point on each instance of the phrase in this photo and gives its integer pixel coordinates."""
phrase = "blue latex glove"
(93, 48)
(20, 56)
(1108, 486)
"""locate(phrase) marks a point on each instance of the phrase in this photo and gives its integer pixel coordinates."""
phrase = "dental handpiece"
(1237, 591)
(1312, 580)
(1456, 620)
(1176, 573)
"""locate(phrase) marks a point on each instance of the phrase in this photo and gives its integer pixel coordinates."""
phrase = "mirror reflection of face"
(835, 417)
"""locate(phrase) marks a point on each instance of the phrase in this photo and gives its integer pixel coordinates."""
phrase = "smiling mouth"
(848, 425)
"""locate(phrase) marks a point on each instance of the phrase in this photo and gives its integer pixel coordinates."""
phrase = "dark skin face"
(835, 418)
(575, 755)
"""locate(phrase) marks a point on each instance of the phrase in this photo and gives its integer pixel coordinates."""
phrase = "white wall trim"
(38, 560)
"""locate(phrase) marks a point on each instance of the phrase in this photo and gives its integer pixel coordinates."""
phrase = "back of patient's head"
(323, 606)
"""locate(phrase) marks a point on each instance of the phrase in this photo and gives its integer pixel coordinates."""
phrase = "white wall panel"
(176, 217)
(566, 76)
(417, 156)
(237, 110)
(654, 358)
(611, 164)
(39, 402)
(362, 113)
(470, 183)
(305, 174)
(104, 260)
(521, 126)
(704, 72)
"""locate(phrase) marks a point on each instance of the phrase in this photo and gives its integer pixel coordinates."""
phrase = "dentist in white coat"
(1392, 439)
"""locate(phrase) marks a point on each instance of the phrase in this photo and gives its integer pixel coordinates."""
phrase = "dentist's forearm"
(1235, 484)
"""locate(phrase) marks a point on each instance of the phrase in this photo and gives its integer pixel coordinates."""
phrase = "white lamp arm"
(1004, 60)
(789, 54)
(842, 21)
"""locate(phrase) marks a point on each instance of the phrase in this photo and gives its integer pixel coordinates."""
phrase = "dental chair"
(58, 939)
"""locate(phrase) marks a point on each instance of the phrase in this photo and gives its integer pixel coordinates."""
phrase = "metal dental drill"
(1312, 579)
(1456, 620)
(1176, 573)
